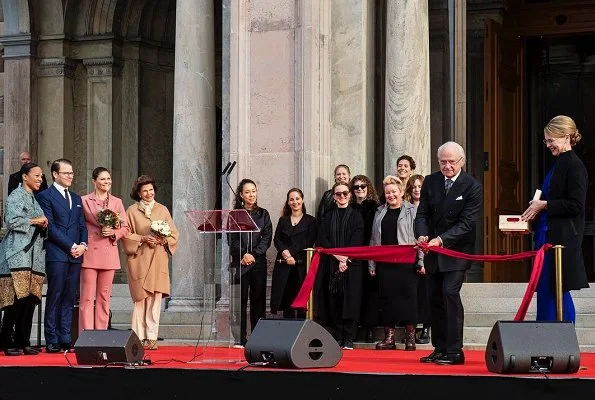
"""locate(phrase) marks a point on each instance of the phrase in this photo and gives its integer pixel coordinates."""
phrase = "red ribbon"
(406, 254)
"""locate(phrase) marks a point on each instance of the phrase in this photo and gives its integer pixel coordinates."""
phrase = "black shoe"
(13, 352)
(431, 357)
(52, 348)
(424, 336)
(30, 351)
(348, 345)
(370, 335)
(66, 347)
(451, 359)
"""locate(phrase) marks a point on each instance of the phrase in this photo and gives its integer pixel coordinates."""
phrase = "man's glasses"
(67, 173)
(449, 162)
(341, 194)
(358, 187)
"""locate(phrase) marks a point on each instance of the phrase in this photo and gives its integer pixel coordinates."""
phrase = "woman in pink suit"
(102, 259)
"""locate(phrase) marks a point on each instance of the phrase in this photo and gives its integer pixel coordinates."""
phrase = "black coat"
(452, 217)
(294, 239)
(327, 203)
(15, 179)
(354, 236)
(566, 217)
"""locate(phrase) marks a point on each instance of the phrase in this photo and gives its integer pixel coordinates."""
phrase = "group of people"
(438, 210)
(71, 242)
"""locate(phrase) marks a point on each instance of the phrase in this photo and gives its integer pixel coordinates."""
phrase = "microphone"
(226, 168)
(238, 199)
(231, 168)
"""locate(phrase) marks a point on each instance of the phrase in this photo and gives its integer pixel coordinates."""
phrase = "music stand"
(206, 222)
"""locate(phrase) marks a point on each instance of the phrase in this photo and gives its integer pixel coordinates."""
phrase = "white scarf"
(146, 207)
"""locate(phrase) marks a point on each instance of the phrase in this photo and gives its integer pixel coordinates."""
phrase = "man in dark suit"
(449, 207)
(64, 246)
(15, 179)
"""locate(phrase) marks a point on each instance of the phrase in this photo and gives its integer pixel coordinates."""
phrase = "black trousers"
(253, 286)
(446, 310)
(18, 318)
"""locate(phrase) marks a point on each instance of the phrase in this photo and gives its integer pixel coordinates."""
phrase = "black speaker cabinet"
(533, 346)
(102, 347)
(292, 343)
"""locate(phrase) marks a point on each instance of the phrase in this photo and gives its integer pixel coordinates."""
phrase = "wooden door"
(504, 146)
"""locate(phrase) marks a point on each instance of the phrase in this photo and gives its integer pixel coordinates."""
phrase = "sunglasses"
(344, 194)
(358, 187)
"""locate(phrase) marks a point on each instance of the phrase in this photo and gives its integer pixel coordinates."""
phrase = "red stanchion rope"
(406, 254)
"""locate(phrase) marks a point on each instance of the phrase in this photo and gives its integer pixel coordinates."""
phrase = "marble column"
(104, 121)
(55, 101)
(194, 149)
(407, 108)
(20, 100)
(352, 86)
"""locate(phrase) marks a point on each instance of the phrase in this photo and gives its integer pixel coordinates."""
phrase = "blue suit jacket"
(65, 226)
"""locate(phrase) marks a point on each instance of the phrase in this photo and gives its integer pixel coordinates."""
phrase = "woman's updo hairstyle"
(561, 126)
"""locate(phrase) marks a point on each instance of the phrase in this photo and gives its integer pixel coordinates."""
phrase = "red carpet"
(355, 361)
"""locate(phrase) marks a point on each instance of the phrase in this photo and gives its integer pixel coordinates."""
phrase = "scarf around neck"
(146, 207)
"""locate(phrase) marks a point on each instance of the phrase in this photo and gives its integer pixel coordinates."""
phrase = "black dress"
(397, 282)
(287, 279)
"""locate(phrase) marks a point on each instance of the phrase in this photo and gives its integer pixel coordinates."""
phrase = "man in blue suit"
(64, 249)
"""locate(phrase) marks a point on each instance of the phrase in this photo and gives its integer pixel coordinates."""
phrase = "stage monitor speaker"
(533, 346)
(103, 347)
(292, 343)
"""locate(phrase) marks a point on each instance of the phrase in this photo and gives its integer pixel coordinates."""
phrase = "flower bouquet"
(109, 219)
(161, 229)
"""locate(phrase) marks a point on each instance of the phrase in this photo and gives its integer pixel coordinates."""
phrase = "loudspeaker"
(102, 347)
(292, 343)
(533, 346)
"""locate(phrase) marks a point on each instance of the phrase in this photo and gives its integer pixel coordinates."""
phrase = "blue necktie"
(447, 185)
(67, 197)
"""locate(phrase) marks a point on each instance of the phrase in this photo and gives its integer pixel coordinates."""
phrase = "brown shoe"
(388, 343)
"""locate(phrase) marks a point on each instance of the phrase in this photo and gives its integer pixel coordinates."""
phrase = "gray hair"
(454, 146)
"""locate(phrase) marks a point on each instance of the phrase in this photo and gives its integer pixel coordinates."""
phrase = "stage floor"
(188, 372)
(357, 361)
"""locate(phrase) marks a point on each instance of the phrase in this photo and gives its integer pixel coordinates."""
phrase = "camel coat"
(147, 268)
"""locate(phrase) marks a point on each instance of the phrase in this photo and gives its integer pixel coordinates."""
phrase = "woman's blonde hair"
(561, 126)
(409, 187)
(393, 180)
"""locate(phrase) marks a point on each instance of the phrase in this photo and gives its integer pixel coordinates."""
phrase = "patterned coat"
(21, 272)
(147, 268)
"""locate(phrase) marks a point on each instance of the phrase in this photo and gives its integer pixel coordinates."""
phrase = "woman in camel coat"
(148, 259)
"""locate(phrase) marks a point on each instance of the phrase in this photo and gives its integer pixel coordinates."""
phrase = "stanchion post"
(559, 303)
(310, 311)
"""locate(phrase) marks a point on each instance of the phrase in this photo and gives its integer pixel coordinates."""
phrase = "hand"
(150, 240)
(372, 272)
(435, 243)
(343, 266)
(422, 239)
(286, 254)
(40, 221)
(290, 261)
(77, 251)
(248, 259)
(341, 258)
(535, 207)
(421, 270)
(106, 231)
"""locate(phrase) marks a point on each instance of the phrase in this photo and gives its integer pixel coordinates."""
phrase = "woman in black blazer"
(248, 253)
(560, 217)
(295, 232)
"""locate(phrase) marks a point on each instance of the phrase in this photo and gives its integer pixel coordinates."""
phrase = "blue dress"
(546, 297)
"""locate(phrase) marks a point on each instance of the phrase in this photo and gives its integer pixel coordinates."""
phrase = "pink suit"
(100, 263)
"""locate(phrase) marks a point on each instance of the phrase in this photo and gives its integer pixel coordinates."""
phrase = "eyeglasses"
(547, 142)
(358, 187)
(67, 173)
(341, 194)
(449, 162)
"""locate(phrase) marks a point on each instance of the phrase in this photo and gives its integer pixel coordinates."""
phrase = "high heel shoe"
(424, 336)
